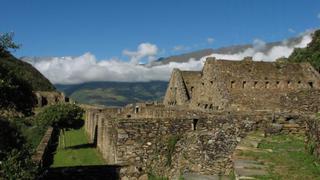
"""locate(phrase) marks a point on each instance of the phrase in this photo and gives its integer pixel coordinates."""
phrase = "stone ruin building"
(205, 114)
(239, 85)
(44, 98)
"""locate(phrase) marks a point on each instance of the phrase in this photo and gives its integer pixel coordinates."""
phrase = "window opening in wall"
(211, 106)
(244, 84)
(310, 84)
(267, 84)
(206, 106)
(211, 82)
(198, 104)
(136, 109)
(289, 83)
(202, 84)
(194, 124)
(232, 84)
(191, 91)
(128, 116)
(278, 84)
(44, 101)
(299, 83)
(95, 137)
(255, 83)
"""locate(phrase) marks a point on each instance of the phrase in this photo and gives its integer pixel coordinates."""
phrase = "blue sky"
(106, 28)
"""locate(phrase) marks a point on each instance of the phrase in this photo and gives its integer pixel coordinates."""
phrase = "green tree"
(7, 43)
(62, 116)
(309, 54)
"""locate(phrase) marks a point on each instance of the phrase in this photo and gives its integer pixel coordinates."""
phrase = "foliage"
(63, 116)
(19, 165)
(171, 145)
(29, 130)
(15, 93)
(7, 43)
(152, 176)
(15, 154)
(286, 158)
(24, 72)
(10, 138)
(309, 54)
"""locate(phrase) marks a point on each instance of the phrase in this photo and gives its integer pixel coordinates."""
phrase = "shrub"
(18, 165)
(63, 116)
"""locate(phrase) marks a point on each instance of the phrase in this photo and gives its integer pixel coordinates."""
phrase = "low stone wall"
(193, 142)
(43, 149)
(313, 136)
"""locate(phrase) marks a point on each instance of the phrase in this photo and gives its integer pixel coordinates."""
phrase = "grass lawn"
(287, 160)
(78, 151)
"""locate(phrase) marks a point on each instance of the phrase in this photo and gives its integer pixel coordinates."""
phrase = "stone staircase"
(245, 167)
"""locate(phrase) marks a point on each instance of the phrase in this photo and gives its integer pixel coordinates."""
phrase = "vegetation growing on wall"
(171, 147)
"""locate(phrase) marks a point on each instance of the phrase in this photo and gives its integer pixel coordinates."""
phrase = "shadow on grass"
(80, 146)
(94, 172)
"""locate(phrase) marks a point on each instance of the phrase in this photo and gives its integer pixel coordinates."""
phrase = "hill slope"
(26, 72)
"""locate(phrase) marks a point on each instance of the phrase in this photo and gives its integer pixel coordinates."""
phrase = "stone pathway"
(244, 167)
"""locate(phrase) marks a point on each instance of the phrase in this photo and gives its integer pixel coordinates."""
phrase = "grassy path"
(78, 151)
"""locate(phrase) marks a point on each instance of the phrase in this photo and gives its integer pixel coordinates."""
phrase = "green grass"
(288, 159)
(72, 156)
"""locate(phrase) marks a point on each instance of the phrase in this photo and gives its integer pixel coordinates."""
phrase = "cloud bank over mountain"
(86, 68)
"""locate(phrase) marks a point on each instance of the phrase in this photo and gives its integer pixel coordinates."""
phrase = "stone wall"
(313, 136)
(205, 141)
(49, 98)
(239, 85)
(43, 150)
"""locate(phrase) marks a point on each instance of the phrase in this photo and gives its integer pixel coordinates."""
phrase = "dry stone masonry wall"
(204, 115)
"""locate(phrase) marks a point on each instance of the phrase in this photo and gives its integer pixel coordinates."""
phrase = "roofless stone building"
(239, 85)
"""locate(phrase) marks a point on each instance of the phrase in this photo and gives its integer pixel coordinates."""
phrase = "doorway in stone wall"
(194, 124)
(95, 137)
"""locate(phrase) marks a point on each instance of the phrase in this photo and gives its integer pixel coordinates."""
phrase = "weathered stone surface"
(205, 119)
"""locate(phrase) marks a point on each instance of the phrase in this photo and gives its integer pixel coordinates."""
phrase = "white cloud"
(257, 53)
(180, 48)
(86, 68)
(291, 30)
(210, 40)
(144, 50)
(259, 45)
